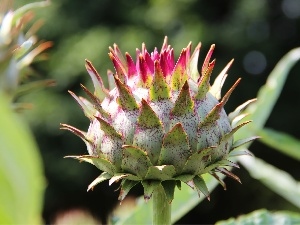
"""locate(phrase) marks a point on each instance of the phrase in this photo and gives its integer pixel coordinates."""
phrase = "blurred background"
(255, 33)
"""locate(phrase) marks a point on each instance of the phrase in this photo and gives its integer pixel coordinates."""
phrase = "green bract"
(161, 124)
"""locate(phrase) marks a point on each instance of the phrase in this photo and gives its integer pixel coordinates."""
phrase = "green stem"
(161, 207)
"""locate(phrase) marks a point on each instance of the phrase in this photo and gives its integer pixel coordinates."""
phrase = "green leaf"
(21, 174)
(23, 49)
(262, 216)
(32, 86)
(281, 142)
(260, 110)
(277, 180)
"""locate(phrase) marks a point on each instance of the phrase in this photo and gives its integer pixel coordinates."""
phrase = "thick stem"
(161, 207)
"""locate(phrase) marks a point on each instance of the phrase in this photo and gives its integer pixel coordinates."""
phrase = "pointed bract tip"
(111, 56)
(166, 39)
(219, 180)
(207, 58)
(229, 92)
(181, 62)
(165, 44)
(198, 46)
(72, 157)
(144, 49)
(88, 64)
(191, 184)
(74, 130)
(189, 45)
(71, 92)
(229, 174)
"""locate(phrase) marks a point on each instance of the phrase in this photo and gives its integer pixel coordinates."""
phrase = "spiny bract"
(161, 123)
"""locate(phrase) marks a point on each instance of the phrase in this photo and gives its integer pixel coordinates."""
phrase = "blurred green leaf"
(30, 6)
(268, 94)
(277, 180)
(23, 49)
(262, 217)
(32, 86)
(281, 142)
(259, 113)
(21, 173)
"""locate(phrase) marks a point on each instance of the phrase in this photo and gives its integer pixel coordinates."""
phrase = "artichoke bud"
(161, 124)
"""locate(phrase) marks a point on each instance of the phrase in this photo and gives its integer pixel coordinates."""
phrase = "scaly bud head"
(162, 123)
